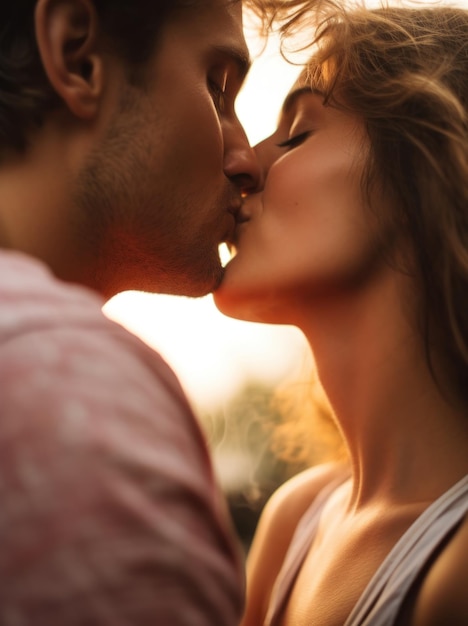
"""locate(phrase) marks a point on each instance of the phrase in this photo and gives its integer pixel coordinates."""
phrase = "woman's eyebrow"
(294, 95)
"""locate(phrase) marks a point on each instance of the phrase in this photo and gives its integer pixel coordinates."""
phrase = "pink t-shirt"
(109, 512)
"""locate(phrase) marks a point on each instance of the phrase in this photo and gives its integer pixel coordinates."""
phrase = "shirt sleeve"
(109, 515)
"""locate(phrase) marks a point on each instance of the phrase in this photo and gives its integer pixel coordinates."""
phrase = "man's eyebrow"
(240, 58)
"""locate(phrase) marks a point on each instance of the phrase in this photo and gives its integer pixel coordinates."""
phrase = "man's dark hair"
(131, 26)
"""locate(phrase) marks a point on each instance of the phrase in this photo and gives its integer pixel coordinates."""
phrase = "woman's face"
(307, 234)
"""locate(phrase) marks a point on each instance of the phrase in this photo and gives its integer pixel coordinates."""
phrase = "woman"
(359, 236)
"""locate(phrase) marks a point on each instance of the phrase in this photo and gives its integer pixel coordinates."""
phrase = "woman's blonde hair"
(404, 71)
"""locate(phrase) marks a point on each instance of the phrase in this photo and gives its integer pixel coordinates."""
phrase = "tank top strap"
(383, 598)
(302, 539)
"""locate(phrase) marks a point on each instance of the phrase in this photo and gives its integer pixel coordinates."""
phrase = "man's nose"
(240, 160)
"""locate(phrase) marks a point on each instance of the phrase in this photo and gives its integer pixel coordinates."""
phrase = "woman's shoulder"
(443, 597)
(275, 530)
(292, 499)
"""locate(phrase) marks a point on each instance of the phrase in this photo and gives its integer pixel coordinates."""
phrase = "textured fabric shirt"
(384, 597)
(109, 512)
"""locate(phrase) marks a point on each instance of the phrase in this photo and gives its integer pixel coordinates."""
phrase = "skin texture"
(309, 253)
(134, 186)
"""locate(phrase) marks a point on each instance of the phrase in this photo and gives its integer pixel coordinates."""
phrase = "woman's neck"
(397, 424)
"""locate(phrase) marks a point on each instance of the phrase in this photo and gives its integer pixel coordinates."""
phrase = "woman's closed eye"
(295, 141)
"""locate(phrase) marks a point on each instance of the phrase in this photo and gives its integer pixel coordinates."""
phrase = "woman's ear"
(67, 38)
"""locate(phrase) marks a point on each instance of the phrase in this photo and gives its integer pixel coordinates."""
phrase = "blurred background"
(250, 384)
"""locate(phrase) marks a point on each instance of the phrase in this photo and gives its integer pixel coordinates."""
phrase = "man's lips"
(230, 235)
(234, 210)
(239, 214)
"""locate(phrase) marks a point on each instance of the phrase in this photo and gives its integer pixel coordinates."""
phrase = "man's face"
(159, 193)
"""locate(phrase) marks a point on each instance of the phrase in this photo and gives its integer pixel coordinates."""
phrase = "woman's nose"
(267, 152)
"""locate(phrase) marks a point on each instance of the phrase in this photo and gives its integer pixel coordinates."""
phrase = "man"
(122, 167)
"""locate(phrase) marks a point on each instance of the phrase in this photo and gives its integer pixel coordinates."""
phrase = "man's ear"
(67, 38)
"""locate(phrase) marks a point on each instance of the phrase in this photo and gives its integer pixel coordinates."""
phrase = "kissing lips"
(240, 217)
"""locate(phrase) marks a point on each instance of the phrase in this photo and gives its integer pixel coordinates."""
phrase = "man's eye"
(295, 141)
(218, 94)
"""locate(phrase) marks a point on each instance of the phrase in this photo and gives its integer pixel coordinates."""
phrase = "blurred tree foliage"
(262, 437)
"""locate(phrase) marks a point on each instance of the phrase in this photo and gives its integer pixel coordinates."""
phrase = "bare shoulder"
(274, 533)
(290, 501)
(443, 598)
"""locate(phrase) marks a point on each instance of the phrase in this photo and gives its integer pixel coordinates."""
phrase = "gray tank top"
(384, 596)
